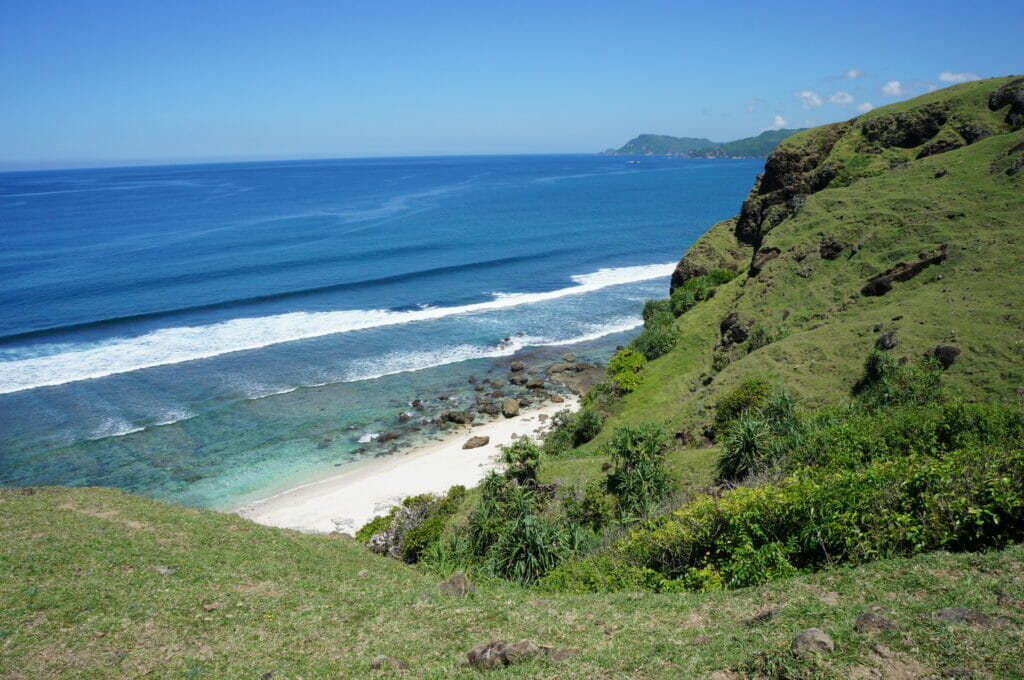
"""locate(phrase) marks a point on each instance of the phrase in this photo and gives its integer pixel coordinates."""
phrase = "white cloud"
(841, 98)
(778, 123)
(809, 99)
(950, 77)
(755, 105)
(853, 74)
(865, 107)
(893, 88)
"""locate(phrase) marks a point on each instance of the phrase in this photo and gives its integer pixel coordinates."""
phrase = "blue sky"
(100, 82)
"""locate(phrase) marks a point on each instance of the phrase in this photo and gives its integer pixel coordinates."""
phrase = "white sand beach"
(347, 500)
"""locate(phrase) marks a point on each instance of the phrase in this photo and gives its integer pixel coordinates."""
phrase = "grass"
(77, 601)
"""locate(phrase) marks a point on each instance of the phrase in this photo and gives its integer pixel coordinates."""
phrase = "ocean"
(210, 334)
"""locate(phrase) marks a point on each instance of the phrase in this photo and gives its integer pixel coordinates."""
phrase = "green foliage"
(625, 369)
(599, 574)
(522, 458)
(750, 394)
(699, 288)
(656, 309)
(430, 530)
(374, 526)
(659, 334)
(887, 382)
(593, 508)
(570, 430)
(638, 479)
(761, 438)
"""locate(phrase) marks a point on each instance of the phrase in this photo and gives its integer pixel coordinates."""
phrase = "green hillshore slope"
(907, 219)
(700, 147)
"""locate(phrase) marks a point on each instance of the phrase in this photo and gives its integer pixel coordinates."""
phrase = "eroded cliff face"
(842, 154)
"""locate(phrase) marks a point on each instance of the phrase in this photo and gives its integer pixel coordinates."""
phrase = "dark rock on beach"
(510, 407)
(476, 442)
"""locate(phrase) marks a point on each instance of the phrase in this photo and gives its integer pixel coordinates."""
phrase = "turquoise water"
(208, 334)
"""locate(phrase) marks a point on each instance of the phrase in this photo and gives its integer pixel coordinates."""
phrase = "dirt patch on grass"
(263, 589)
(108, 515)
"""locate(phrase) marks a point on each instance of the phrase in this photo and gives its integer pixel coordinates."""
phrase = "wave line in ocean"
(190, 343)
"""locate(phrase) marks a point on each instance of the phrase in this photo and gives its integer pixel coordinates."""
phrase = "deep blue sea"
(208, 334)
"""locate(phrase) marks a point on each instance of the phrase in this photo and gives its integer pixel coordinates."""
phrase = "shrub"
(698, 288)
(625, 369)
(638, 480)
(599, 574)
(887, 382)
(585, 426)
(593, 508)
(655, 341)
(374, 526)
(522, 458)
(571, 430)
(656, 309)
(762, 438)
(601, 397)
(417, 538)
(750, 394)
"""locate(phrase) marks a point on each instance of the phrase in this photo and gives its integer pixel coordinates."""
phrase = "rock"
(733, 329)
(761, 258)
(903, 271)
(812, 641)
(887, 341)
(517, 379)
(471, 380)
(830, 248)
(404, 416)
(442, 397)
(941, 172)
(417, 404)
(1015, 167)
(497, 384)
(383, 662)
(516, 366)
(906, 129)
(937, 146)
(946, 355)
(535, 383)
(480, 388)
(386, 437)
(569, 356)
(556, 399)
(363, 573)
(561, 368)
(457, 417)
(213, 606)
(870, 622)
(476, 442)
(457, 586)
(543, 417)
(763, 615)
(973, 617)
(494, 654)
(159, 569)
(510, 407)
(957, 673)
(1012, 95)
(490, 409)
(524, 402)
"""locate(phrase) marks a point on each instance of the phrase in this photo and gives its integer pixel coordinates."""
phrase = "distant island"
(699, 147)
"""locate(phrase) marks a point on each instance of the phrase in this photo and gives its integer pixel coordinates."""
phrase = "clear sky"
(101, 82)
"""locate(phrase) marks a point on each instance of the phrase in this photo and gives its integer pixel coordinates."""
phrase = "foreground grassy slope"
(939, 170)
(77, 600)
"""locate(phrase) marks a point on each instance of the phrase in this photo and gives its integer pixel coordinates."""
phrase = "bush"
(639, 480)
(750, 394)
(654, 310)
(592, 509)
(522, 458)
(887, 382)
(654, 341)
(571, 430)
(762, 438)
(374, 526)
(417, 538)
(585, 426)
(599, 574)
(698, 288)
(625, 369)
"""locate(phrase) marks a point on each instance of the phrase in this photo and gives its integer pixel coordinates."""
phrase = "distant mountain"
(699, 147)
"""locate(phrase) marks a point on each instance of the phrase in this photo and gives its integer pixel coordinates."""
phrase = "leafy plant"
(625, 369)
(638, 480)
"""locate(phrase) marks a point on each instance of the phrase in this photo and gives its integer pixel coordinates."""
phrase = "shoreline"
(347, 500)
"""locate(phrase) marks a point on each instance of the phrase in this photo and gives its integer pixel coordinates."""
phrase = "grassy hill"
(907, 220)
(80, 598)
(695, 147)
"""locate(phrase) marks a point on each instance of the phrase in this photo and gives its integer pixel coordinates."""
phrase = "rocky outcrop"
(494, 654)
(812, 641)
(790, 173)
(734, 330)
(903, 271)
(937, 146)
(761, 258)
(456, 417)
(510, 408)
(830, 248)
(905, 129)
(1012, 95)
(946, 355)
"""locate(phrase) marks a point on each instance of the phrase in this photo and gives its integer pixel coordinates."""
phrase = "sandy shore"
(347, 500)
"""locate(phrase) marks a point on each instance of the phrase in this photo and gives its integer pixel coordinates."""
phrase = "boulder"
(733, 329)
(870, 622)
(561, 367)
(476, 442)
(830, 248)
(972, 617)
(887, 341)
(569, 356)
(497, 384)
(510, 407)
(384, 662)
(496, 654)
(944, 354)
(517, 379)
(457, 417)
(556, 399)
(812, 641)
(761, 258)
(535, 383)
(457, 586)
(516, 366)
(490, 409)
(903, 271)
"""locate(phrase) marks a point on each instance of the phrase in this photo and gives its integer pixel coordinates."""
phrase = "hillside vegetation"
(699, 147)
(821, 427)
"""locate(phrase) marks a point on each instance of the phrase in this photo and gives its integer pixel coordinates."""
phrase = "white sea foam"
(189, 343)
